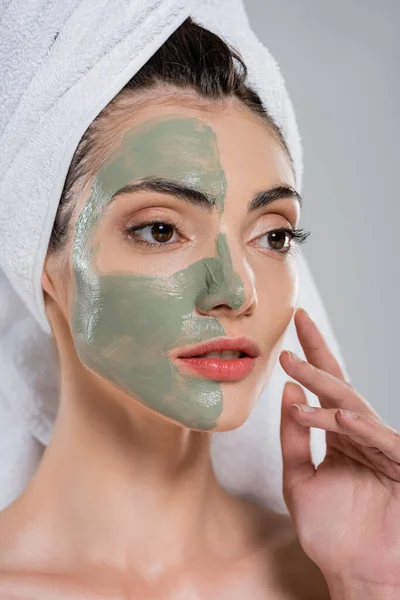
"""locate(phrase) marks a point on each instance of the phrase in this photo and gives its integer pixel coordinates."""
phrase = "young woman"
(169, 282)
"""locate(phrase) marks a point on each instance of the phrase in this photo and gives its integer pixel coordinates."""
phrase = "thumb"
(295, 442)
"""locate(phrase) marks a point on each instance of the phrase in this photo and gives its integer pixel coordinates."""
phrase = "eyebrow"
(207, 201)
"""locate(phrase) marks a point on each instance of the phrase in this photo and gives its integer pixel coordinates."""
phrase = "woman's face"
(184, 259)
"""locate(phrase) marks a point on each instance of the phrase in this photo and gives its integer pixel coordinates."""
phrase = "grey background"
(340, 61)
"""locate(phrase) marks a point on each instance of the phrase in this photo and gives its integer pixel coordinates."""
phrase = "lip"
(241, 344)
(187, 359)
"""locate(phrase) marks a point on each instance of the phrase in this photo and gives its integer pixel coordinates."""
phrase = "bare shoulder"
(272, 566)
(302, 574)
(287, 573)
(297, 575)
(22, 585)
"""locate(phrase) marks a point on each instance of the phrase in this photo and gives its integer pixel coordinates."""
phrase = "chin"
(238, 405)
(230, 422)
(240, 401)
(240, 398)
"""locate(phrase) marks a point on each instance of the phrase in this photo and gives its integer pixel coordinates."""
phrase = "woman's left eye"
(153, 234)
(280, 239)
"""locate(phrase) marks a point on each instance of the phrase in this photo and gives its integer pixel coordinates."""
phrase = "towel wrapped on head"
(61, 63)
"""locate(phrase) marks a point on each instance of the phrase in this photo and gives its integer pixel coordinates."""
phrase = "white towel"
(56, 76)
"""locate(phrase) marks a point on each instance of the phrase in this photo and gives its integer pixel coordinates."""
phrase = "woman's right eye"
(153, 234)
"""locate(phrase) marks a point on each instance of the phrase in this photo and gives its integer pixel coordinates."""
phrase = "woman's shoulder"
(272, 566)
(288, 572)
(301, 577)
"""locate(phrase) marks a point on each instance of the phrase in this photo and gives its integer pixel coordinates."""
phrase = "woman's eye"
(278, 240)
(153, 233)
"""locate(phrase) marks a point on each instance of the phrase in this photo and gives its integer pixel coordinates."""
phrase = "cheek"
(127, 310)
(124, 327)
(277, 291)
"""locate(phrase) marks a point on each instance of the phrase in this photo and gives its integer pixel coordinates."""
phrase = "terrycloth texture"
(56, 76)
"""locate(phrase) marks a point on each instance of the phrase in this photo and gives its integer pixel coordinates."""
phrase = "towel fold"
(62, 62)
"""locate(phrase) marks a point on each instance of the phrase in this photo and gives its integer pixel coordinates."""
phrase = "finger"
(295, 441)
(315, 346)
(331, 391)
(338, 445)
(373, 434)
(379, 443)
(382, 464)
(324, 418)
(372, 458)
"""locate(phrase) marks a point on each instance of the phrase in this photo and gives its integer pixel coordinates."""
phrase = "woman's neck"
(123, 487)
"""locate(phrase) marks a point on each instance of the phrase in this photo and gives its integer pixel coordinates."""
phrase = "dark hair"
(193, 58)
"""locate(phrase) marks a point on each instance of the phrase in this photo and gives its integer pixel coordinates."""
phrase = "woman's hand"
(347, 511)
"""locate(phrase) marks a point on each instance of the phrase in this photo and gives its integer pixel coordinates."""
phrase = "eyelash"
(299, 236)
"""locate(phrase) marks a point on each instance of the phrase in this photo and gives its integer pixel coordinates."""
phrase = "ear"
(47, 281)
(54, 289)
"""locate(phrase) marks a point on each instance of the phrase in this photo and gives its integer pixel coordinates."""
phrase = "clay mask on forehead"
(124, 324)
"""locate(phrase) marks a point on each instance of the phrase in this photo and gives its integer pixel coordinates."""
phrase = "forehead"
(173, 146)
(210, 147)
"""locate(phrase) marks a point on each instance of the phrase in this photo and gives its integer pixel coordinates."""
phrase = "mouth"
(222, 359)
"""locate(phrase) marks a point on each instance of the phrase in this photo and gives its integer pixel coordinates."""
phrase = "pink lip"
(219, 369)
(241, 344)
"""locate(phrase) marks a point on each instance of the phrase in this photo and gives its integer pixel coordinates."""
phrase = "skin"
(133, 353)
(128, 468)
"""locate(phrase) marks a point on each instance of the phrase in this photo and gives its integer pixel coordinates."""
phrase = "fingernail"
(305, 312)
(348, 413)
(294, 356)
(291, 355)
(305, 407)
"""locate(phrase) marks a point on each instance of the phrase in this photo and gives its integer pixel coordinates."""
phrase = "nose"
(225, 291)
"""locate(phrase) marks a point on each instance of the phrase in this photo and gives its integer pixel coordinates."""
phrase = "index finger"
(319, 355)
(315, 346)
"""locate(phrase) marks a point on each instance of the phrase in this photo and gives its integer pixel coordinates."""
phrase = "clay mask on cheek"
(124, 324)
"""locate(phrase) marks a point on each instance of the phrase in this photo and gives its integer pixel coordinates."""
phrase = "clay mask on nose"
(124, 324)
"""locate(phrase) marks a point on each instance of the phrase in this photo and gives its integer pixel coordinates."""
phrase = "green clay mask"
(124, 324)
